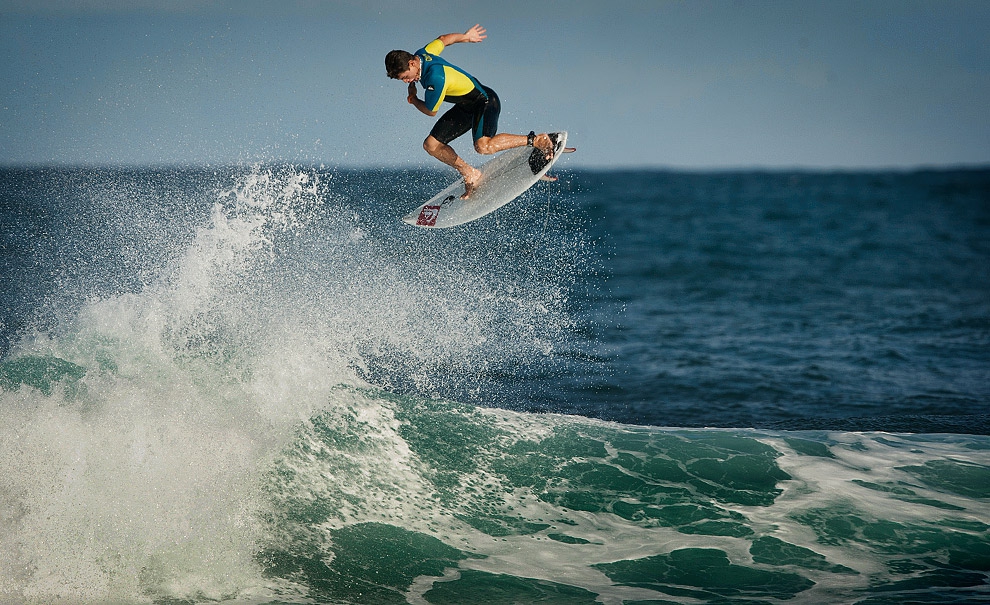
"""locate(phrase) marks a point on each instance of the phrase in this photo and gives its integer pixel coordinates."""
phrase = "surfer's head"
(401, 65)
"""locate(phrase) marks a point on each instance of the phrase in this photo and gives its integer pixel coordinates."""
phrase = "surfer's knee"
(484, 146)
(433, 147)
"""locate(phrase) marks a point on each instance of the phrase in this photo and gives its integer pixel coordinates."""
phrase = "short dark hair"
(396, 62)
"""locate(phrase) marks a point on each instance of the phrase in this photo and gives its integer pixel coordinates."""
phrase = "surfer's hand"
(475, 34)
(411, 97)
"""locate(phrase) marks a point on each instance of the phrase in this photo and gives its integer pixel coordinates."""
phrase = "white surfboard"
(503, 178)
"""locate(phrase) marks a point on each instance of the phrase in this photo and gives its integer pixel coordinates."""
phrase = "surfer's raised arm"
(475, 34)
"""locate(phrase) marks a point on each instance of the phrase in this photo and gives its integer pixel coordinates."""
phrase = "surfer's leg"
(452, 124)
(499, 142)
(485, 126)
(446, 154)
(503, 141)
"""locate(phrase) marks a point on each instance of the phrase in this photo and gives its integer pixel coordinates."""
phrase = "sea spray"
(134, 478)
(144, 421)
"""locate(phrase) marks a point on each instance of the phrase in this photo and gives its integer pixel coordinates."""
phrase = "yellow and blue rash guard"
(442, 81)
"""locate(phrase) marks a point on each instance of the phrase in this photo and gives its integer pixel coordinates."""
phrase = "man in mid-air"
(476, 107)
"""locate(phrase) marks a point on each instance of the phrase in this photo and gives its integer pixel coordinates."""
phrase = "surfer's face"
(413, 73)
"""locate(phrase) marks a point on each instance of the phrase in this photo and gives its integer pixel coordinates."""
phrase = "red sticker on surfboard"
(428, 216)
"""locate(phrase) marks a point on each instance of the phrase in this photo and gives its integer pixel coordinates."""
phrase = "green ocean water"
(501, 507)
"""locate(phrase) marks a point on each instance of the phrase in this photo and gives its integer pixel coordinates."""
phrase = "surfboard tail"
(538, 159)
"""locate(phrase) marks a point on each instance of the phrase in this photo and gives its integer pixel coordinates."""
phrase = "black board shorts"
(479, 116)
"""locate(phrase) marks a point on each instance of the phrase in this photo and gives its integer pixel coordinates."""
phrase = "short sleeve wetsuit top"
(476, 107)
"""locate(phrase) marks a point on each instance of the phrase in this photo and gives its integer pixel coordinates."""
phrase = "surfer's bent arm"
(416, 102)
(475, 34)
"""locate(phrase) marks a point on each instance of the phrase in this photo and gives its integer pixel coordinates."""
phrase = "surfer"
(476, 107)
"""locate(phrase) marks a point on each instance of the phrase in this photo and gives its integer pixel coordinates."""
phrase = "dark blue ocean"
(257, 385)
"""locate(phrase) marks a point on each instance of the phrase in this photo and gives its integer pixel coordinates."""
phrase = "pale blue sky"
(699, 84)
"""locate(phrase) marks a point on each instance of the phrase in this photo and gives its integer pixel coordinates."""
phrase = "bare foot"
(470, 181)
